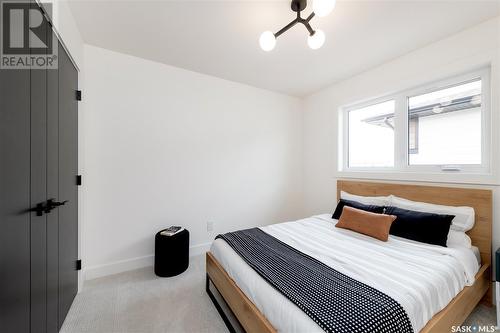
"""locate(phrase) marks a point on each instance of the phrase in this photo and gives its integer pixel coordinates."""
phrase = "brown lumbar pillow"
(367, 223)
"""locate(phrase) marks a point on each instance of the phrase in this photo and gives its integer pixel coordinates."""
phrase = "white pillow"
(464, 216)
(458, 238)
(377, 201)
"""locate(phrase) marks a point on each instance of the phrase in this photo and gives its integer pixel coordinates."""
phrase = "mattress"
(477, 253)
(423, 278)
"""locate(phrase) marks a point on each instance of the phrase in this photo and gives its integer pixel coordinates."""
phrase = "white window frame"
(401, 156)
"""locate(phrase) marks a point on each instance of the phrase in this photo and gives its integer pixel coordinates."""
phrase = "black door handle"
(46, 207)
(51, 204)
(40, 209)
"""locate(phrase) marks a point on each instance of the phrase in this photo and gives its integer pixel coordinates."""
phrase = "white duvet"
(423, 278)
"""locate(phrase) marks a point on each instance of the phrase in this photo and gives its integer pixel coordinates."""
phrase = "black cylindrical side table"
(171, 253)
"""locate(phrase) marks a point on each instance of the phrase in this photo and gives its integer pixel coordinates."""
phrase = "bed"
(258, 307)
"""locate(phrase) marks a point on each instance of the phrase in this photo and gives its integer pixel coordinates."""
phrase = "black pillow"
(419, 226)
(358, 205)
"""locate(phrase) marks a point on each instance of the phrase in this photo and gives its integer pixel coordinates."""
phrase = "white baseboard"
(199, 249)
(97, 271)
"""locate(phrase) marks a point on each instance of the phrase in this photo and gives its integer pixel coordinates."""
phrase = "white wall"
(66, 27)
(165, 146)
(468, 50)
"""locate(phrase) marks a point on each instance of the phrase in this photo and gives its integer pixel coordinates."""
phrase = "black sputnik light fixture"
(316, 37)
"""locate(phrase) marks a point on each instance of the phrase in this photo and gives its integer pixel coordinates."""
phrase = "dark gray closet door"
(68, 170)
(53, 192)
(14, 200)
(38, 232)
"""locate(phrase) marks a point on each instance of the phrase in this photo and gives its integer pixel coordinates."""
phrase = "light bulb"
(317, 40)
(267, 41)
(322, 8)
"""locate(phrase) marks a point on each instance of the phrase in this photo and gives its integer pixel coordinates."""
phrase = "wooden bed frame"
(252, 320)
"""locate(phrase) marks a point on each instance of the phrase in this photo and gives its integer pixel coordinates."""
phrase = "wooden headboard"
(480, 200)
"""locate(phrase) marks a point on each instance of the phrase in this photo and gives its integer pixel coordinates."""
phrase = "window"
(371, 136)
(413, 135)
(445, 126)
(440, 127)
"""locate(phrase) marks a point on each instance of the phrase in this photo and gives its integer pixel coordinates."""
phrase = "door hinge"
(79, 180)
(79, 265)
(78, 95)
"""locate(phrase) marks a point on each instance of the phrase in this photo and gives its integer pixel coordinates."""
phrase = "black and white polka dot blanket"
(335, 301)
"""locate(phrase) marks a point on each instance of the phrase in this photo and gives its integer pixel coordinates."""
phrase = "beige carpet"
(139, 302)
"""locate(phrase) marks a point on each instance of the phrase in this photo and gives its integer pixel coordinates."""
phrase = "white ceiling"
(220, 38)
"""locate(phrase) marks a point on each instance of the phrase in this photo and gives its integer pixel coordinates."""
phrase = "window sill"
(444, 177)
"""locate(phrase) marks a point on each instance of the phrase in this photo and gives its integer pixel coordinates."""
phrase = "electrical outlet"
(210, 226)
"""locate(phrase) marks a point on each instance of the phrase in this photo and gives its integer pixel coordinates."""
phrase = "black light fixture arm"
(298, 6)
